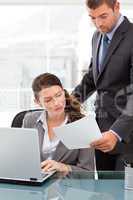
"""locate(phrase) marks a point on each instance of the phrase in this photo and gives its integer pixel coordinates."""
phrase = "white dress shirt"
(49, 146)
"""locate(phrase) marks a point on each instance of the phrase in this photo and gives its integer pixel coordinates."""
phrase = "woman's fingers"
(45, 165)
(50, 165)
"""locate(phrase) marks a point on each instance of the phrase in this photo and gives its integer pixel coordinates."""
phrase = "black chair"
(18, 119)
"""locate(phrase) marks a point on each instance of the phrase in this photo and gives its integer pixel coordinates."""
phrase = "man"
(110, 74)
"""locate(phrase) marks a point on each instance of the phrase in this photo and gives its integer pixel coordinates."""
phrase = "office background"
(39, 36)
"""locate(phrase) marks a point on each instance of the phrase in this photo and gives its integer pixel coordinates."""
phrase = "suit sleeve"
(85, 161)
(86, 87)
(123, 126)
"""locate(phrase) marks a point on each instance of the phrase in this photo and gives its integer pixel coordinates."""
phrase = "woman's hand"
(50, 165)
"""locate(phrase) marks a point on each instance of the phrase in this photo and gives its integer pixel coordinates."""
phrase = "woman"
(59, 108)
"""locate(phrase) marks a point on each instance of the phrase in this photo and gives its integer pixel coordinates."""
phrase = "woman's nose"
(55, 101)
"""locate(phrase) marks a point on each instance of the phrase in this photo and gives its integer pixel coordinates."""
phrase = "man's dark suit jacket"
(114, 101)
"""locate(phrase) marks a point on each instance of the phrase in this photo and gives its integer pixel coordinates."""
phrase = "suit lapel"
(114, 44)
(117, 38)
(40, 135)
(61, 150)
(95, 56)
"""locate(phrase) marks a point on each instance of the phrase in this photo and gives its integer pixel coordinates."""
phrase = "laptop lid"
(20, 155)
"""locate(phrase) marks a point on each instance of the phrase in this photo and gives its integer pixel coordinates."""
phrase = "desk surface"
(68, 188)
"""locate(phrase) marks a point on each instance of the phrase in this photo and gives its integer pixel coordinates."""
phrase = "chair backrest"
(18, 119)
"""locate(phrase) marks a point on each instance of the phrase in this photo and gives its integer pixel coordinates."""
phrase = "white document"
(78, 134)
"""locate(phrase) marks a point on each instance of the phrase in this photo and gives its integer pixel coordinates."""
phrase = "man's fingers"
(102, 146)
(98, 142)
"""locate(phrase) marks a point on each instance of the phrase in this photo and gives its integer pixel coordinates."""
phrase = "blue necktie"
(104, 48)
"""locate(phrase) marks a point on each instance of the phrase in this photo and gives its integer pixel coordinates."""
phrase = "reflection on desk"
(68, 188)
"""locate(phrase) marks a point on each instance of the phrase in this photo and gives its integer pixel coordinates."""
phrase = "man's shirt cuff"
(119, 138)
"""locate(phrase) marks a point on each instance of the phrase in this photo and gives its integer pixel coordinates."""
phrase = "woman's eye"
(59, 95)
(47, 101)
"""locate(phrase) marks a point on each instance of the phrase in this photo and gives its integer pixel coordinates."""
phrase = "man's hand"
(106, 143)
(50, 165)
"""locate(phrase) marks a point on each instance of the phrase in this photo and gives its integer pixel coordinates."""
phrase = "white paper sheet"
(78, 134)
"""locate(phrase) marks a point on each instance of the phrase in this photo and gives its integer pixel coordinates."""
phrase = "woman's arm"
(85, 162)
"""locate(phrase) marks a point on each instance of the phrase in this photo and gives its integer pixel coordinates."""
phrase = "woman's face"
(52, 99)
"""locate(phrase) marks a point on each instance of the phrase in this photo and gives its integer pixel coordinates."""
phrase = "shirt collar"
(110, 34)
(42, 119)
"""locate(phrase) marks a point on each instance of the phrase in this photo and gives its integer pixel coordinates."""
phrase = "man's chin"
(103, 31)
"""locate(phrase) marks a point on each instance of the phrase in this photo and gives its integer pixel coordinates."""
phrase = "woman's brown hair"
(45, 80)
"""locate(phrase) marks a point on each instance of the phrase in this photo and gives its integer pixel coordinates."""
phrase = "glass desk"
(75, 186)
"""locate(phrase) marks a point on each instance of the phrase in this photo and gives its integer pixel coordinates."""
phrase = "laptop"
(20, 156)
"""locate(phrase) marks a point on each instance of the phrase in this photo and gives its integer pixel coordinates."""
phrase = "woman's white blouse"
(49, 146)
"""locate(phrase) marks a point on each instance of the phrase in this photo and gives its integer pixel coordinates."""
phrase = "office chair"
(18, 119)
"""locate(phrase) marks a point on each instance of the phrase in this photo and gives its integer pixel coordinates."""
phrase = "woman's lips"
(59, 108)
